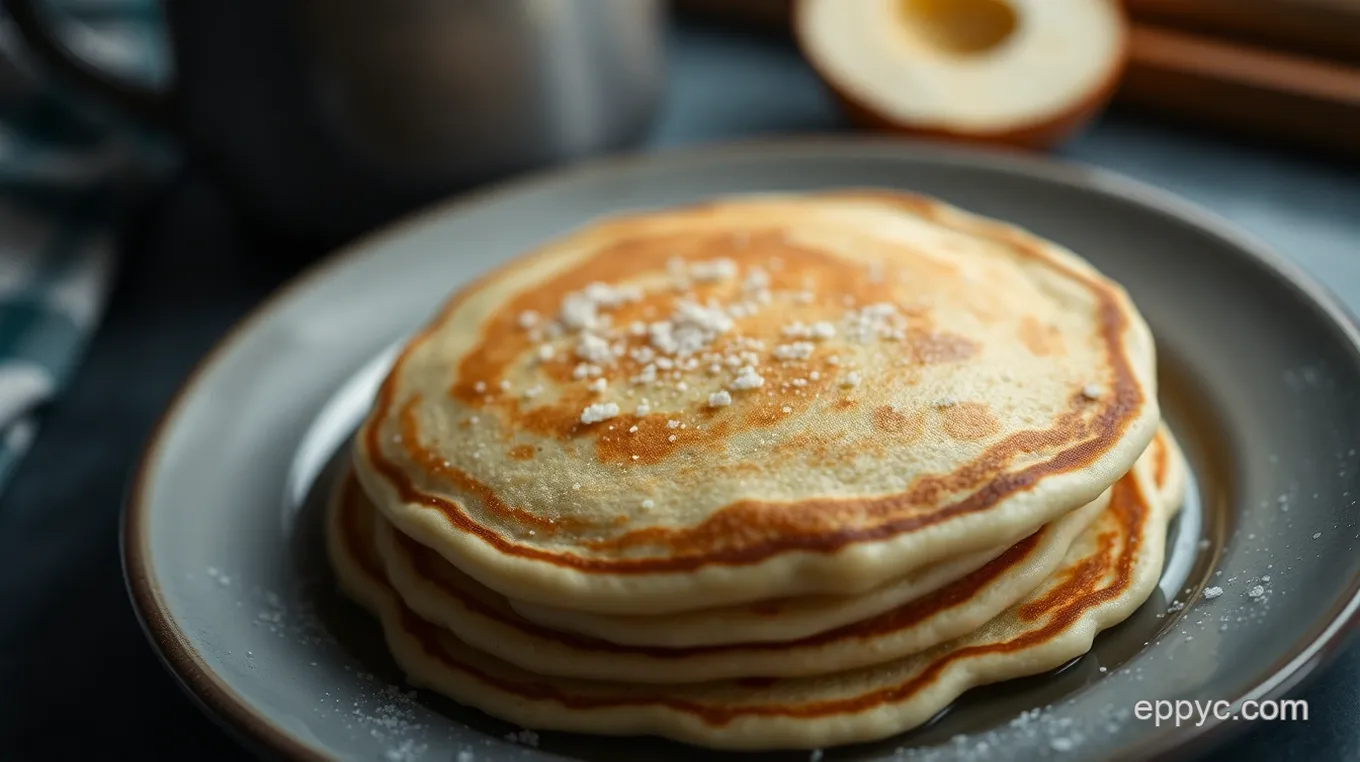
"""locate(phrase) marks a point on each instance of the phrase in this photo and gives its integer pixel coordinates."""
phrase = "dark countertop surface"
(77, 680)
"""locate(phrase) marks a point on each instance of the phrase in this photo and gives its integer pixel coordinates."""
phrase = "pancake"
(793, 618)
(436, 591)
(1107, 573)
(1170, 470)
(773, 621)
(758, 398)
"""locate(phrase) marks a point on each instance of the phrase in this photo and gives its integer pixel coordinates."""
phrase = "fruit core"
(960, 27)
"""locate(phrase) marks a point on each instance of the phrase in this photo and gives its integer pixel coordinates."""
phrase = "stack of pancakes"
(771, 472)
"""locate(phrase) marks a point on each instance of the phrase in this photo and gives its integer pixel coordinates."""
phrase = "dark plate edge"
(259, 732)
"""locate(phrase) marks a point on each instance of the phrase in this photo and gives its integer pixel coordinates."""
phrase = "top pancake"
(759, 397)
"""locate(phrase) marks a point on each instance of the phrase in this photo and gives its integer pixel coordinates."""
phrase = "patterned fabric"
(67, 176)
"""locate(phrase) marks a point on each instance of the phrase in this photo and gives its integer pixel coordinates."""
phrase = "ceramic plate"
(1259, 377)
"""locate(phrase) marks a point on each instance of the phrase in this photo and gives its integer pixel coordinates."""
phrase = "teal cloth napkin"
(68, 176)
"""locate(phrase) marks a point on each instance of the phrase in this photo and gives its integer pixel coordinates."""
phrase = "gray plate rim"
(243, 721)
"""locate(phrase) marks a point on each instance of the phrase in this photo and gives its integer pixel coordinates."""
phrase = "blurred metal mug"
(327, 117)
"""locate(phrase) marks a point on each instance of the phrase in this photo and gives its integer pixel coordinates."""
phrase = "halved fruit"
(1017, 72)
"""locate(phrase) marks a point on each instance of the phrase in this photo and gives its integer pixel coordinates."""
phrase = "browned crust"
(502, 344)
(1079, 591)
(1040, 134)
(749, 531)
(426, 563)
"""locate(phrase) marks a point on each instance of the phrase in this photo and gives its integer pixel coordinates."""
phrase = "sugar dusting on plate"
(1050, 727)
(524, 737)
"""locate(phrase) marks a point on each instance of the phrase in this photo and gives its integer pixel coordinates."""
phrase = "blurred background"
(162, 169)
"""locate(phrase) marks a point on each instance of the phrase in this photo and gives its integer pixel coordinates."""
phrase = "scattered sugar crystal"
(742, 309)
(594, 350)
(874, 321)
(1317, 535)
(577, 485)
(1090, 392)
(647, 376)
(720, 398)
(1256, 592)
(580, 309)
(713, 270)
(851, 379)
(533, 391)
(644, 408)
(798, 350)
(528, 319)
(479, 387)
(672, 424)
(747, 378)
(706, 317)
(670, 438)
(523, 737)
(691, 329)
(1211, 593)
(406, 751)
(648, 504)
(599, 412)
(578, 312)
(545, 352)
(632, 429)
(756, 280)
(598, 385)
